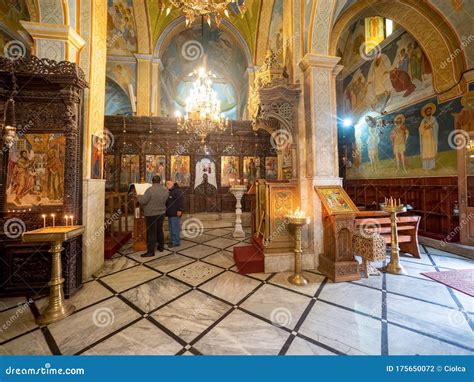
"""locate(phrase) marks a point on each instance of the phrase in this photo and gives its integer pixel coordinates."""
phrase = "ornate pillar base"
(238, 191)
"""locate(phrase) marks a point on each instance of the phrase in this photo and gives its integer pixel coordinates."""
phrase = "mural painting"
(276, 28)
(35, 174)
(12, 11)
(97, 157)
(121, 33)
(155, 165)
(396, 76)
(229, 170)
(130, 171)
(180, 170)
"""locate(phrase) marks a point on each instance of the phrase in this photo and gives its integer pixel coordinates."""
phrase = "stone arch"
(435, 35)
(320, 27)
(53, 11)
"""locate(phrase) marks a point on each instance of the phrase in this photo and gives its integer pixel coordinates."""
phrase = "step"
(249, 259)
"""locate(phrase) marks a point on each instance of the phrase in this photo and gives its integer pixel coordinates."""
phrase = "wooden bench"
(379, 221)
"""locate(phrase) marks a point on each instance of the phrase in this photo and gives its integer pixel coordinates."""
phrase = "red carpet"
(461, 280)
(249, 259)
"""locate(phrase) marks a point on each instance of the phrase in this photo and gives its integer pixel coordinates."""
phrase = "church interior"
(324, 155)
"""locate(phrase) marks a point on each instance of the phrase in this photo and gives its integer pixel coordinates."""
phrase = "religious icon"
(35, 174)
(251, 169)
(155, 165)
(465, 119)
(229, 170)
(373, 141)
(335, 200)
(97, 157)
(130, 170)
(271, 168)
(428, 136)
(180, 170)
(205, 171)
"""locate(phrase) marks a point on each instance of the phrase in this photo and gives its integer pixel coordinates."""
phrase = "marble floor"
(191, 301)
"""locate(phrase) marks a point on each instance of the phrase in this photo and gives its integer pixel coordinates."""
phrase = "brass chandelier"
(211, 10)
(203, 109)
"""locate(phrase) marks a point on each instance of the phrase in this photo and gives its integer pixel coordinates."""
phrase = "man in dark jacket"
(153, 202)
(174, 211)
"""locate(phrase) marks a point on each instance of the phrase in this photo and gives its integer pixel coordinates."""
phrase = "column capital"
(311, 60)
(56, 32)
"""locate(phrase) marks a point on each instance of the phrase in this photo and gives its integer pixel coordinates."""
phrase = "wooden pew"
(379, 221)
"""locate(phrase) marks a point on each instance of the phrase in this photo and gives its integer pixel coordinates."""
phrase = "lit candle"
(44, 220)
(54, 221)
(72, 220)
(66, 219)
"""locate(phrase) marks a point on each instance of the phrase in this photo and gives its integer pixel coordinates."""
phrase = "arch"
(144, 44)
(435, 35)
(320, 27)
(179, 24)
(53, 12)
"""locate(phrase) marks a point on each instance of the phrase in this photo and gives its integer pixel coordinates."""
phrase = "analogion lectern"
(139, 225)
(338, 262)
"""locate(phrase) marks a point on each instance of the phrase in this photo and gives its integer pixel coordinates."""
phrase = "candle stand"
(298, 222)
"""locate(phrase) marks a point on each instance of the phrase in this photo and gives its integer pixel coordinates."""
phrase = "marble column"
(320, 153)
(143, 91)
(55, 41)
(238, 191)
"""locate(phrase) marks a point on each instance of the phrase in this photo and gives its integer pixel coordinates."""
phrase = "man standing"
(153, 202)
(174, 210)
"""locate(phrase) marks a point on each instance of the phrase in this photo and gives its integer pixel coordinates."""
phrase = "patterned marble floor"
(192, 301)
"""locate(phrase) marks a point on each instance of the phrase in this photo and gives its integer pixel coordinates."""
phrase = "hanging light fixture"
(203, 109)
(8, 129)
(211, 10)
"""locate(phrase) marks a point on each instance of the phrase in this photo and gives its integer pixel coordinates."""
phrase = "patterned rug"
(461, 280)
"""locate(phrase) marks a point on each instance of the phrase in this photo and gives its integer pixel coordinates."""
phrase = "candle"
(54, 221)
(44, 220)
(66, 219)
(72, 220)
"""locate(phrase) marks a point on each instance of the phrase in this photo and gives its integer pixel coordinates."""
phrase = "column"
(143, 91)
(250, 74)
(155, 97)
(55, 41)
(320, 156)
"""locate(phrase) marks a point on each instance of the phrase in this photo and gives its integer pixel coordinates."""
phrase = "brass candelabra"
(394, 207)
(298, 220)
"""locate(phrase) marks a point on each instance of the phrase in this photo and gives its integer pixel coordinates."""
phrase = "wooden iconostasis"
(137, 148)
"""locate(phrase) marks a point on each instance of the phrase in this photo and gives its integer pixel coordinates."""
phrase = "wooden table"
(57, 308)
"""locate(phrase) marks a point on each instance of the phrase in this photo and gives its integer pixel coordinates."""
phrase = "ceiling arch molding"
(144, 44)
(435, 35)
(53, 11)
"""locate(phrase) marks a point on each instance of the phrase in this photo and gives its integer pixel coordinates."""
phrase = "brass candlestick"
(57, 307)
(394, 208)
(297, 278)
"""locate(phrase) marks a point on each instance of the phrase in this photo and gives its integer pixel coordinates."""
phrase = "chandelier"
(203, 109)
(208, 9)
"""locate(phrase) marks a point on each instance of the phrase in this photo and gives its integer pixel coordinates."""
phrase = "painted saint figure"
(54, 170)
(373, 140)
(22, 180)
(428, 137)
(399, 138)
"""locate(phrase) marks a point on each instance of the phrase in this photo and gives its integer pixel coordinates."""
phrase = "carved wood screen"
(42, 172)
(144, 136)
